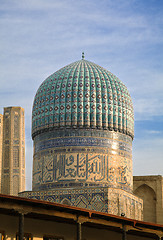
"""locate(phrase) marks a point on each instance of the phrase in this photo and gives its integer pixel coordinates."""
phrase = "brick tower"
(13, 155)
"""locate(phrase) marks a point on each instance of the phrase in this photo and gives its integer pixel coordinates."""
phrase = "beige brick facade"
(13, 156)
(150, 189)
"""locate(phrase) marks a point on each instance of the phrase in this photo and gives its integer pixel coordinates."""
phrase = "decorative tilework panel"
(103, 199)
(53, 170)
(90, 198)
(93, 133)
(82, 141)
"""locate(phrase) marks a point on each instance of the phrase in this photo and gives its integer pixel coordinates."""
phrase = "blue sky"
(38, 37)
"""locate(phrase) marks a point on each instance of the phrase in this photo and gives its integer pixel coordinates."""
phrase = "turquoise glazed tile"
(83, 95)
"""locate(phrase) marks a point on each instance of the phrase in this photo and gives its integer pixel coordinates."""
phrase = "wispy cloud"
(147, 157)
(147, 107)
(153, 132)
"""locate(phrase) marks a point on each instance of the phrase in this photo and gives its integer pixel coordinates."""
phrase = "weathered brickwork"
(120, 201)
(150, 189)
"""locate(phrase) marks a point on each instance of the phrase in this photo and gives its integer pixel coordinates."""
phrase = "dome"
(82, 129)
(82, 95)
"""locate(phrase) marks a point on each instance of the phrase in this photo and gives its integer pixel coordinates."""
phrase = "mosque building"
(82, 129)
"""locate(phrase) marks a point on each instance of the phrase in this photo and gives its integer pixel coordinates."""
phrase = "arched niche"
(149, 202)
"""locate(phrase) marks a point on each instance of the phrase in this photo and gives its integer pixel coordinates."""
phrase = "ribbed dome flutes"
(83, 95)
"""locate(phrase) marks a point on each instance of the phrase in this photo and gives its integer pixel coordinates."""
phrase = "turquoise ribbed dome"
(83, 95)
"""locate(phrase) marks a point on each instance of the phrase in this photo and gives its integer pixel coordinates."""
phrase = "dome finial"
(82, 55)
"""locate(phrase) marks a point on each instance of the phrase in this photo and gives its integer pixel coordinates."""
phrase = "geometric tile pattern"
(82, 141)
(108, 200)
(83, 95)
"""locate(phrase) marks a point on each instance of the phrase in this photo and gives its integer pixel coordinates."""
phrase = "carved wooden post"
(21, 226)
(124, 235)
(159, 238)
(79, 231)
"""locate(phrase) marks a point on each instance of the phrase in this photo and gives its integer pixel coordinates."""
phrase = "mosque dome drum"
(82, 127)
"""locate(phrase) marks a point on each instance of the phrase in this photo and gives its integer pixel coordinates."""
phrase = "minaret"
(1, 139)
(13, 157)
